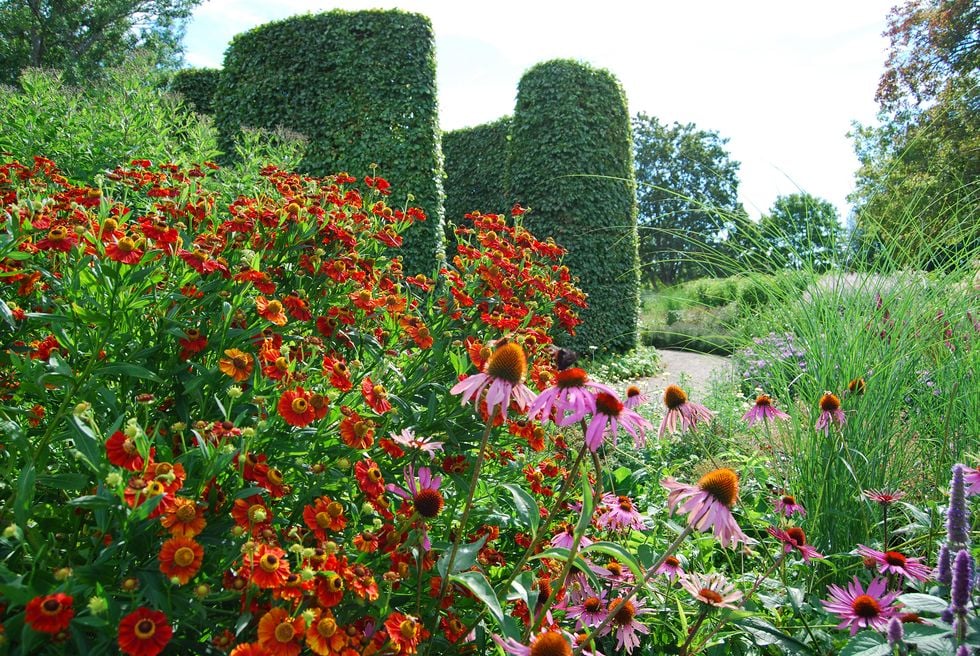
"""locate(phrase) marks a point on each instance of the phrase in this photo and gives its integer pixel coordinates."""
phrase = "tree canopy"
(82, 37)
(800, 230)
(687, 189)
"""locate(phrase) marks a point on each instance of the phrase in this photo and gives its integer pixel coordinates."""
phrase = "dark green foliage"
(361, 87)
(82, 38)
(197, 86)
(572, 164)
(801, 231)
(476, 169)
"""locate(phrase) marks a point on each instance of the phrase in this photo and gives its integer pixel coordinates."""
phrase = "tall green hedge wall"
(197, 86)
(572, 120)
(476, 169)
(361, 87)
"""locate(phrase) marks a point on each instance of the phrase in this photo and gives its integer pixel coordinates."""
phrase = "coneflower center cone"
(674, 397)
(428, 503)
(763, 399)
(608, 404)
(895, 558)
(573, 377)
(797, 534)
(508, 363)
(713, 597)
(866, 606)
(592, 604)
(551, 643)
(829, 402)
(623, 614)
(722, 484)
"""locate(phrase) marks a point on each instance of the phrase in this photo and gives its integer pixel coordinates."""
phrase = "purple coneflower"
(893, 562)
(860, 608)
(635, 397)
(671, 567)
(571, 397)
(552, 643)
(503, 381)
(425, 496)
(610, 413)
(763, 411)
(971, 477)
(620, 515)
(565, 538)
(830, 413)
(708, 504)
(587, 606)
(407, 439)
(884, 497)
(678, 407)
(624, 623)
(788, 506)
(794, 538)
(712, 590)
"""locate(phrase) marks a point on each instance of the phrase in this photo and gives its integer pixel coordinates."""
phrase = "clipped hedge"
(361, 87)
(476, 169)
(197, 86)
(571, 127)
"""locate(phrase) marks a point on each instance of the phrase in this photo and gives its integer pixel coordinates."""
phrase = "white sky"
(781, 79)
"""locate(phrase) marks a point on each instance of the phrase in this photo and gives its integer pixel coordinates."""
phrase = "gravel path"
(698, 368)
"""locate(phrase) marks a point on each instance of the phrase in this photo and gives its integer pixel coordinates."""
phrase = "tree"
(801, 230)
(687, 190)
(82, 37)
(917, 187)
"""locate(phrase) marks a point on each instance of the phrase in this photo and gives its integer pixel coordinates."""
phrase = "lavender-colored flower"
(570, 398)
(859, 608)
(794, 538)
(624, 623)
(587, 606)
(565, 538)
(959, 595)
(944, 571)
(895, 633)
(884, 497)
(503, 381)
(763, 411)
(620, 514)
(680, 408)
(671, 567)
(712, 590)
(893, 562)
(635, 397)
(424, 496)
(957, 517)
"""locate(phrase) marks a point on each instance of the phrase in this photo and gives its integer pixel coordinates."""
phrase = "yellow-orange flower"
(279, 634)
(237, 364)
(180, 558)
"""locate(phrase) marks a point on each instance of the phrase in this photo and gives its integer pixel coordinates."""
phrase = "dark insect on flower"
(565, 358)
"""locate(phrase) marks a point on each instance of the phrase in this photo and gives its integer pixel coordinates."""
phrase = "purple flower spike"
(957, 517)
(962, 582)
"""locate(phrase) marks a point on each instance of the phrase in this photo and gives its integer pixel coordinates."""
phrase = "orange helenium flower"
(279, 633)
(49, 613)
(144, 632)
(238, 365)
(180, 558)
(296, 408)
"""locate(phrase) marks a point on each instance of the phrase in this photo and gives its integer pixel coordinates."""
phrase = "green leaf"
(764, 633)
(619, 553)
(66, 481)
(866, 643)
(25, 495)
(922, 603)
(127, 369)
(465, 557)
(527, 507)
(477, 583)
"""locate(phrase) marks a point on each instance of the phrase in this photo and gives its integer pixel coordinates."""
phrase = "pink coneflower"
(712, 590)
(794, 538)
(708, 504)
(971, 477)
(861, 609)
(610, 413)
(425, 496)
(635, 397)
(763, 411)
(884, 497)
(620, 514)
(830, 413)
(788, 506)
(893, 562)
(571, 397)
(586, 606)
(407, 438)
(565, 538)
(624, 623)
(678, 407)
(671, 567)
(503, 381)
